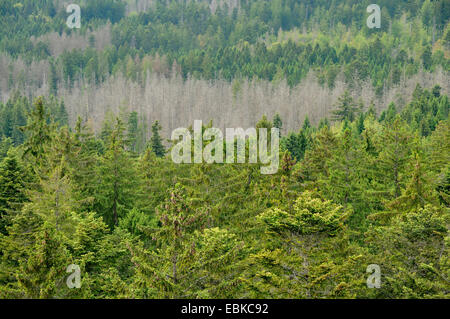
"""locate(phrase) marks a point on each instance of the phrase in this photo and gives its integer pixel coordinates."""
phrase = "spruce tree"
(53, 78)
(346, 108)
(418, 191)
(427, 58)
(19, 120)
(166, 271)
(156, 140)
(315, 163)
(132, 132)
(62, 118)
(5, 145)
(345, 179)
(360, 123)
(115, 193)
(38, 133)
(396, 148)
(306, 124)
(13, 184)
(277, 122)
(42, 274)
(84, 166)
(34, 251)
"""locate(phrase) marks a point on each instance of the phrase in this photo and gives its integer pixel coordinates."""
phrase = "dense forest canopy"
(367, 182)
(138, 46)
(242, 42)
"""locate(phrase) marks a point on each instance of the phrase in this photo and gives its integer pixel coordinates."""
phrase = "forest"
(86, 176)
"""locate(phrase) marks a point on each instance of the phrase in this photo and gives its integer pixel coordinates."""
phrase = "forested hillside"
(87, 178)
(263, 56)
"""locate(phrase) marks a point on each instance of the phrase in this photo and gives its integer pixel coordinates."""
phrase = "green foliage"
(311, 215)
(156, 141)
(139, 226)
(132, 131)
(116, 190)
(416, 243)
(346, 108)
(359, 190)
(38, 133)
(13, 185)
(277, 122)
